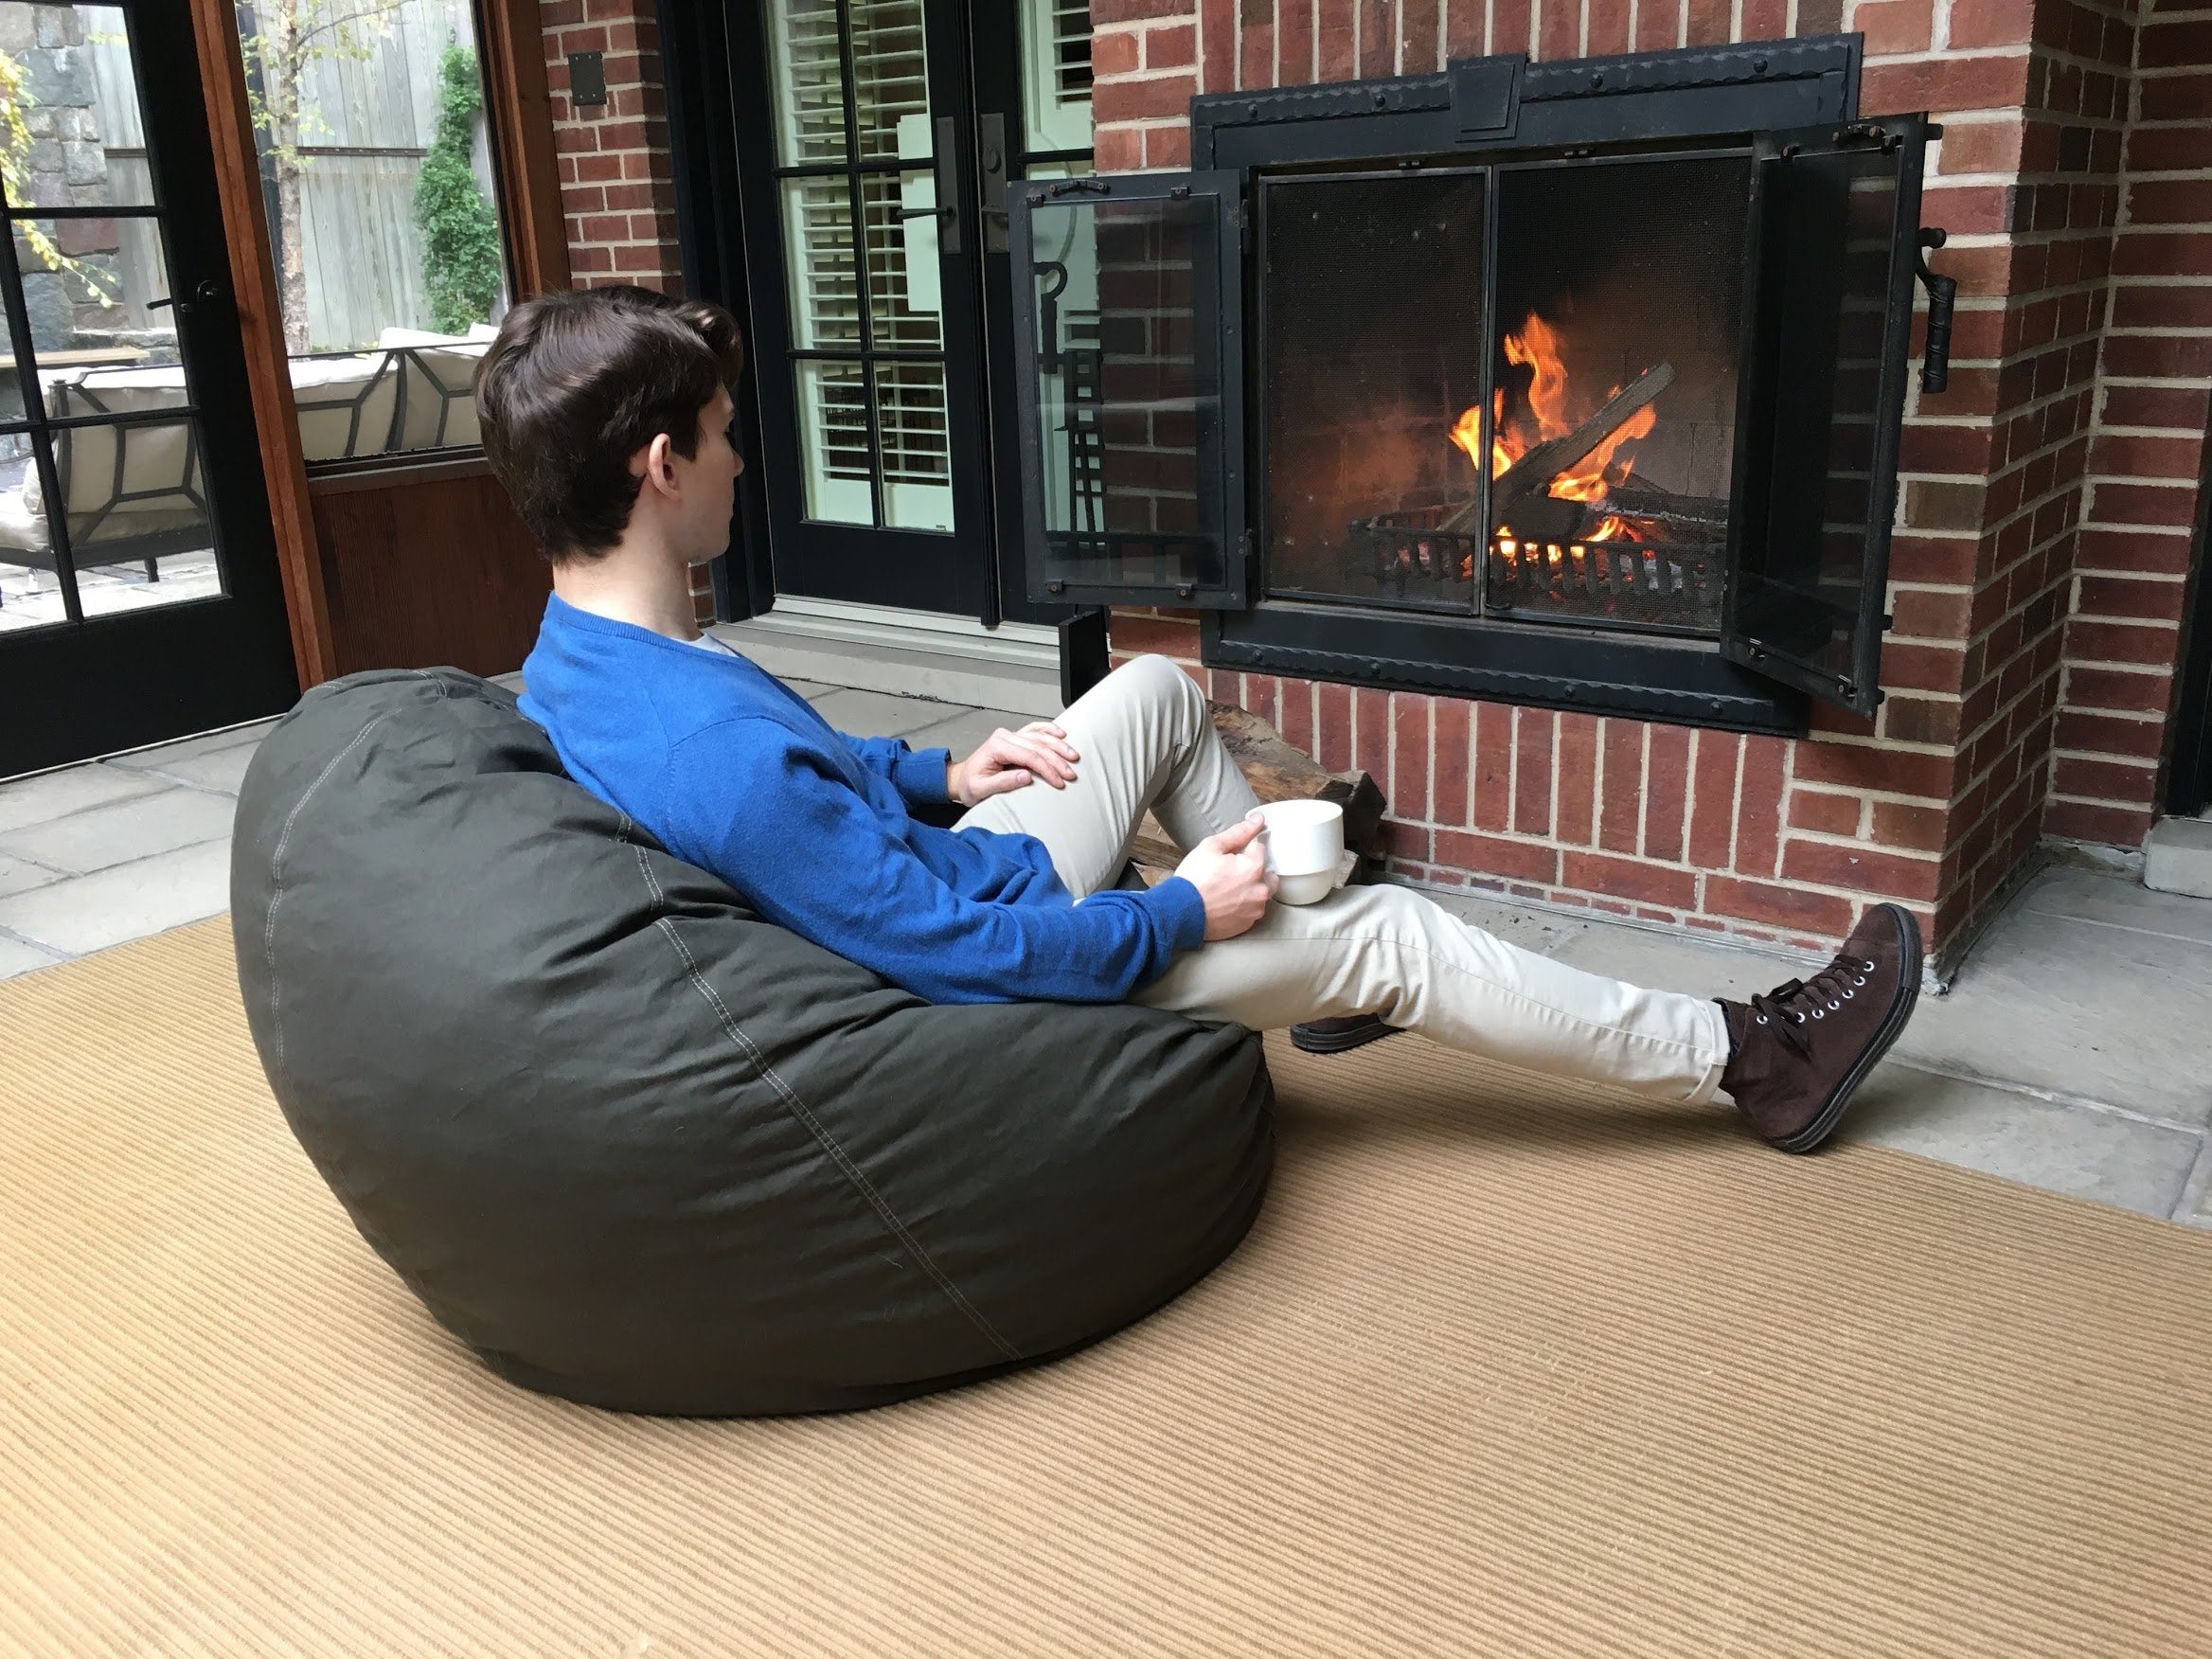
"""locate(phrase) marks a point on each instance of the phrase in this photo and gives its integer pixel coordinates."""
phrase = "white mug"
(1304, 843)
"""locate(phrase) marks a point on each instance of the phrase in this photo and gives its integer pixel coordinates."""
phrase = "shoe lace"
(1791, 1004)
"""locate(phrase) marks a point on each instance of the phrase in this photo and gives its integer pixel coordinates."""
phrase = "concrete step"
(2177, 857)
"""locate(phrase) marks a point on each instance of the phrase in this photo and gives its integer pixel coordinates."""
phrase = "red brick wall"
(2002, 456)
(2132, 569)
(617, 186)
(1937, 801)
(617, 182)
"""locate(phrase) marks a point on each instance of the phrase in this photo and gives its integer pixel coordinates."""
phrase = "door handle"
(1942, 299)
(990, 167)
(947, 185)
(207, 293)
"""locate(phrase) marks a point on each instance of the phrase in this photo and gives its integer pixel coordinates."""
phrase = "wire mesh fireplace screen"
(1609, 310)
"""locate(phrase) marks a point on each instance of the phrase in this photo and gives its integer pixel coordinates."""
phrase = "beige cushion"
(442, 371)
(324, 390)
(158, 465)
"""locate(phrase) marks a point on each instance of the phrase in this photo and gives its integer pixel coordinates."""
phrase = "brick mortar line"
(2146, 671)
(1934, 54)
(1866, 793)
(1885, 745)
(1678, 867)
(2151, 763)
(2158, 576)
(2139, 716)
(2075, 800)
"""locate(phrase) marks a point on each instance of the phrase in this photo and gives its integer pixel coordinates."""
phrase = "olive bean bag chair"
(637, 1146)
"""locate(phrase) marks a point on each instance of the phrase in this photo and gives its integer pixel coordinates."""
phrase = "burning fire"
(1552, 413)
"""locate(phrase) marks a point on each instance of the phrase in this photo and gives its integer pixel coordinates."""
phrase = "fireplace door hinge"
(1129, 345)
(1835, 238)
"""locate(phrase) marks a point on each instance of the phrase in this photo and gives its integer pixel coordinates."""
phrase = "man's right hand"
(1230, 872)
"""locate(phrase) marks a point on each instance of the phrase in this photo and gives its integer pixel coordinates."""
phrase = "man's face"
(708, 482)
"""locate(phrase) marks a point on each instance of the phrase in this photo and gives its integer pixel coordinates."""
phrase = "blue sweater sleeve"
(918, 775)
(752, 803)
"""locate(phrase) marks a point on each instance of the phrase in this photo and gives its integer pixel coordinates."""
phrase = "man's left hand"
(1009, 761)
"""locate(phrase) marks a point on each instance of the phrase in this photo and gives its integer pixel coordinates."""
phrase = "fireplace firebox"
(1575, 385)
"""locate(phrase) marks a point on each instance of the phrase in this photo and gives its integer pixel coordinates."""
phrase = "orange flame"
(1555, 410)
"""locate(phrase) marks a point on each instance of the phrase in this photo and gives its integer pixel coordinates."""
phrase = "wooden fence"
(370, 122)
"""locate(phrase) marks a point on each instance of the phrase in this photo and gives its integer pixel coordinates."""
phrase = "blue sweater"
(735, 772)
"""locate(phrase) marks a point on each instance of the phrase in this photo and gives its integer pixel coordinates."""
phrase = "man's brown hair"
(576, 382)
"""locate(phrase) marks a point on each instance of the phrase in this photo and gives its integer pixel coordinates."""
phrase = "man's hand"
(1230, 872)
(1012, 760)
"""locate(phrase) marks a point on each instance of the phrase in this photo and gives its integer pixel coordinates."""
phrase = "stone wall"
(67, 167)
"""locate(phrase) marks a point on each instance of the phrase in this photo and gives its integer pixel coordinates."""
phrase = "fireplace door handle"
(1942, 296)
(1048, 316)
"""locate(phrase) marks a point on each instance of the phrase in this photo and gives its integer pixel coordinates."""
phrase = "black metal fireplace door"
(1147, 464)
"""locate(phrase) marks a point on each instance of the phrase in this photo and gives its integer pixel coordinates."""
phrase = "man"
(606, 414)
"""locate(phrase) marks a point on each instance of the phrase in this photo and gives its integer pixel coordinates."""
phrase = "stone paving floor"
(2073, 1053)
(32, 599)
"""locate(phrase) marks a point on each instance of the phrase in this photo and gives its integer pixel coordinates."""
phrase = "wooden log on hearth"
(1535, 472)
(1664, 506)
(1276, 772)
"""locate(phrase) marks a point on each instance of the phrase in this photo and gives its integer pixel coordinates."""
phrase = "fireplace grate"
(1676, 587)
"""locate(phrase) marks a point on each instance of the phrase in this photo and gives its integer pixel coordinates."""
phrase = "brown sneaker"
(1797, 1053)
(1336, 1036)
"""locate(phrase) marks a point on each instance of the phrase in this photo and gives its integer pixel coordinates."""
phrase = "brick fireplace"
(2039, 552)
(2041, 559)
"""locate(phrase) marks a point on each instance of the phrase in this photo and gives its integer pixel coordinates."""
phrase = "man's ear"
(656, 464)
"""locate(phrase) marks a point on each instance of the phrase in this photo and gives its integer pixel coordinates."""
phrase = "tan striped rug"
(1505, 1368)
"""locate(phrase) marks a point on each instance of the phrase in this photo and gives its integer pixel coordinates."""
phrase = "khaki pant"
(1145, 742)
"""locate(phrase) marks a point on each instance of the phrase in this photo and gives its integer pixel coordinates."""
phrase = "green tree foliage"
(460, 235)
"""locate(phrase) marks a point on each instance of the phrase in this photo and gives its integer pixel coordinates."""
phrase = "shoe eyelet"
(1762, 1018)
(1871, 967)
(1859, 980)
(1834, 1007)
(1849, 995)
(1799, 1018)
(1820, 1013)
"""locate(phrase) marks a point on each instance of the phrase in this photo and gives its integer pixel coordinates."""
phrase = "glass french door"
(139, 593)
(861, 235)
(876, 140)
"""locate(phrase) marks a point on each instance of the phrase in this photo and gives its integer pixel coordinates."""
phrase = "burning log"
(1664, 507)
(1530, 477)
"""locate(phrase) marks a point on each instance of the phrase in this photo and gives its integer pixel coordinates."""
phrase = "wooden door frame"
(527, 173)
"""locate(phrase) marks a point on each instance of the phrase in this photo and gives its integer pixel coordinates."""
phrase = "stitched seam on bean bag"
(277, 862)
(799, 1108)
